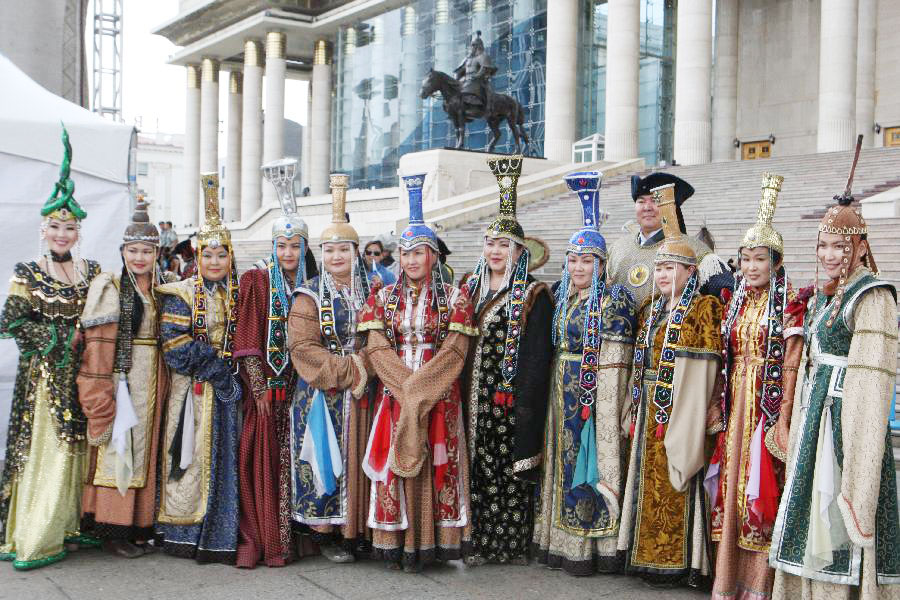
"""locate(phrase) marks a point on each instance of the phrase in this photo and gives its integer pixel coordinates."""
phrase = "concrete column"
(190, 207)
(562, 59)
(209, 119)
(837, 76)
(233, 155)
(409, 75)
(693, 65)
(622, 69)
(273, 125)
(443, 37)
(320, 126)
(306, 149)
(251, 129)
(865, 71)
(724, 107)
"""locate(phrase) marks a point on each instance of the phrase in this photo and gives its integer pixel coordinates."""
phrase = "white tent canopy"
(30, 152)
(30, 119)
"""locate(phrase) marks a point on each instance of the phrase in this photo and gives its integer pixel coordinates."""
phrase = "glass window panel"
(380, 65)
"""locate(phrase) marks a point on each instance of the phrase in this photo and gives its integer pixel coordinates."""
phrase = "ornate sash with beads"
(391, 309)
(199, 327)
(662, 396)
(276, 335)
(771, 390)
(505, 393)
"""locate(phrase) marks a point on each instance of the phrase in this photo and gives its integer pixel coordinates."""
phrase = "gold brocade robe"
(664, 515)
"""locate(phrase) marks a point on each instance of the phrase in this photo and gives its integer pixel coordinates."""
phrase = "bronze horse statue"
(504, 107)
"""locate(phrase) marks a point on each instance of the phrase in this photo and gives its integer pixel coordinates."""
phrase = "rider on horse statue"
(475, 73)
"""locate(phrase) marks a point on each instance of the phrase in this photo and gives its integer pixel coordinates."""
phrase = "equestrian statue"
(468, 95)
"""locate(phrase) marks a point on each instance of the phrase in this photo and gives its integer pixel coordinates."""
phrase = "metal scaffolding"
(108, 59)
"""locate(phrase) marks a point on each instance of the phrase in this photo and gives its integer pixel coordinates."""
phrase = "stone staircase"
(726, 200)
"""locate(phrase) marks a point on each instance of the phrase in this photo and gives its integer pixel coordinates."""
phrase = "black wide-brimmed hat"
(683, 190)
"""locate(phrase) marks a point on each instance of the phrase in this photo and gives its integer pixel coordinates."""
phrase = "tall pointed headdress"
(417, 232)
(675, 247)
(588, 240)
(62, 204)
(212, 233)
(281, 174)
(507, 170)
(762, 234)
(339, 230)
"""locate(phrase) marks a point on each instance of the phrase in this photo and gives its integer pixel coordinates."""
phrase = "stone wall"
(778, 72)
(887, 66)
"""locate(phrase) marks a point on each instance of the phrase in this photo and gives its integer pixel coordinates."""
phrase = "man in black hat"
(631, 256)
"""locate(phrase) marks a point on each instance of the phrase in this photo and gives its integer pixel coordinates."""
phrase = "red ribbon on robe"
(381, 442)
(437, 436)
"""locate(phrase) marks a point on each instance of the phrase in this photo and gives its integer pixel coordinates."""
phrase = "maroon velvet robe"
(264, 456)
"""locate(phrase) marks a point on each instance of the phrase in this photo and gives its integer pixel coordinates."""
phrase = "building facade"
(691, 81)
(47, 41)
(159, 171)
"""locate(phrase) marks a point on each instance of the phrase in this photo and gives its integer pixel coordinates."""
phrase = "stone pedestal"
(450, 173)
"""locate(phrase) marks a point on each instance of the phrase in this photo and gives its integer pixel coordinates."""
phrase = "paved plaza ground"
(94, 575)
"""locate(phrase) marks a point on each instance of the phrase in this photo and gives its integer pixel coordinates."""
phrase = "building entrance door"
(892, 136)
(754, 150)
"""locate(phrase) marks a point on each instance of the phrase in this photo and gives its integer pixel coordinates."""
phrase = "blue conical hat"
(587, 240)
(417, 232)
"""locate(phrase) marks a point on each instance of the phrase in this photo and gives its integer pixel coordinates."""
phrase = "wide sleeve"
(96, 386)
(695, 382)
(188, 357)
(31, 336)
(250, 332)
(315, 364)
(253, 308)
(612, 416)
(868, 383)
(426, 386)
(532, 383)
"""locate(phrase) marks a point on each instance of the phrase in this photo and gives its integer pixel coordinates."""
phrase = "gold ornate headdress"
(762, 234)
(675, 247)
(212, 233)
(507, 171)
(340, 230)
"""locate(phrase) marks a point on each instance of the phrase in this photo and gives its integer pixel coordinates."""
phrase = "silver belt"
(831, 360)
